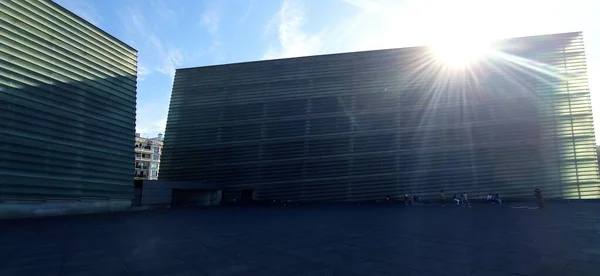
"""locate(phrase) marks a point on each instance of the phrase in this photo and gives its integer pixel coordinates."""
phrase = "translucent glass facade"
(67, 112)
(365, 125)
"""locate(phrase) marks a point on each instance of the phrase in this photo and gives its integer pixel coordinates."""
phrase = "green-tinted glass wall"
(366, 125)
(67, 112)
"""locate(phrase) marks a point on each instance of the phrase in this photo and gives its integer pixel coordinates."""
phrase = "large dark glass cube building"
(365, 125)
(67, 113)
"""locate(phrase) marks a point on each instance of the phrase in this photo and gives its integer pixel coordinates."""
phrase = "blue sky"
(172, 34)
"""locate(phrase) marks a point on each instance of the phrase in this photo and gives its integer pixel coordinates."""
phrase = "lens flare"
(459, 54)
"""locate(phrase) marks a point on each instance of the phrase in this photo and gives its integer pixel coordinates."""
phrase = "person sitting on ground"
(457, 200)
(489, 198)
(498, 199)
(442, 198)
(465, 199)
(539, 198)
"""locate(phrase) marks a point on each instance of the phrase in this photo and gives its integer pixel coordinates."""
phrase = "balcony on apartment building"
(143, 157)
(143, 148)
(141, 175)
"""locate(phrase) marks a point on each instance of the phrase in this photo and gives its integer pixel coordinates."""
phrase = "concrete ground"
(563, 239)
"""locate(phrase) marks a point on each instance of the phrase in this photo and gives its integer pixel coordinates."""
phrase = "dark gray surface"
(67, 118)
(563, 239)
(365, 125)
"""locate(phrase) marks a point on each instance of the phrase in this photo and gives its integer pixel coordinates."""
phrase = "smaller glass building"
(67, 113)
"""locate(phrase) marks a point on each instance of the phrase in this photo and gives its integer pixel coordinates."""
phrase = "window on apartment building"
(156, 150)
(156, 157)
(154, 173)
(153, 166)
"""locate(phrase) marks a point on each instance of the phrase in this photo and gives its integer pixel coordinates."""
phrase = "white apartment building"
(147, 157)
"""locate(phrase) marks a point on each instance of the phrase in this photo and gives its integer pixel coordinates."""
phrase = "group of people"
(460, 200)
(411, 199)
(463, 200)
(493, 199)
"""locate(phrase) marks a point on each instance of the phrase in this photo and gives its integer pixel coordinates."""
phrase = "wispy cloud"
(163, 10)
(388, 24)
(161, 57)
(85, 9)
(156, 55)
(169, 58)
(142, 71)
(292, 40)
(134, 25)
(152, 115)
(248, 11)
(367, 6)
(149, 128)
(138, 21)
(210, 20)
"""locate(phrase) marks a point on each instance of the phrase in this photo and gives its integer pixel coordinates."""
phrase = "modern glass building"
(67, 113)
(365, 125)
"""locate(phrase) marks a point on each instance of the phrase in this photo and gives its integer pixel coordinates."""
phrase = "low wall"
(14, 209)
(162, 192)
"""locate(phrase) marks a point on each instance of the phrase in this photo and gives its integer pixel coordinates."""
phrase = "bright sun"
(459, 55)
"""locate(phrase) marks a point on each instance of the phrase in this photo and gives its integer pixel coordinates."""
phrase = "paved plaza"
(563, 239)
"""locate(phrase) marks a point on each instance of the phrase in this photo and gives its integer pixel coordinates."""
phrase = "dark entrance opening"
(247, 196)
(137, 198)
(188, 197)
(193, 197)
(179, 197)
